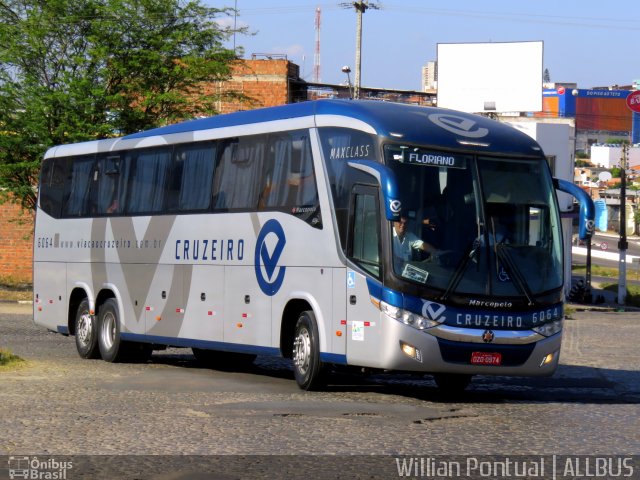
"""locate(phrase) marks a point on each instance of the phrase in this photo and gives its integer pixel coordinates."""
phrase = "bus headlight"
(408, 318)
(549, 329)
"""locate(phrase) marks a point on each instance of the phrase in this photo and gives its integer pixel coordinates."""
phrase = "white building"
(608, 156)
(430, 77)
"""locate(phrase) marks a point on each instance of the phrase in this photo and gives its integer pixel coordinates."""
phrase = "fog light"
(411, 351)
(547, 359)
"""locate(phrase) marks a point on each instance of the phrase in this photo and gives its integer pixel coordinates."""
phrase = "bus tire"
(307, 367)
(452, 383)
(112, 348)
(86, 331)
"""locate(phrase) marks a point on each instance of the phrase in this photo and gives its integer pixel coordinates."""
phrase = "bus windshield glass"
(475, 225)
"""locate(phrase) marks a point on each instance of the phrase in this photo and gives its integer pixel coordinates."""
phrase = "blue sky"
(593, 43)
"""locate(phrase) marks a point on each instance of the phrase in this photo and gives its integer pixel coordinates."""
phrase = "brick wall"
(16, 243)
(264, 82)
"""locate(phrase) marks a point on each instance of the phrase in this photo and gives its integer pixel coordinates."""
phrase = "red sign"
(561, 90)
(633, 101)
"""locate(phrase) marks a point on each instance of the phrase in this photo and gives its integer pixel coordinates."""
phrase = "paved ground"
(60, 404)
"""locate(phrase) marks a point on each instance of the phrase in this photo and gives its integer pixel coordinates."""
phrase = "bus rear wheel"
(86, 331)
(307, 367)
(112, 348)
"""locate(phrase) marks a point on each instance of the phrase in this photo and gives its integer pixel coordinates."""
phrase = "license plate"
(486, 358)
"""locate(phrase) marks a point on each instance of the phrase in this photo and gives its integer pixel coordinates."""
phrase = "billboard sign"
(633, 101)
(490, 77)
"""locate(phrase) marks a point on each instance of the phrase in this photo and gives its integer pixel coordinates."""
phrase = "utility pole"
(623, 244)
(316, 56)
(361, 7)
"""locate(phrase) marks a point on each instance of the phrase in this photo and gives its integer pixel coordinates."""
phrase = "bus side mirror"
(587, 208)
(388, 184)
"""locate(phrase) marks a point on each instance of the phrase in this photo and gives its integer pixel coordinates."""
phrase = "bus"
(334, 233)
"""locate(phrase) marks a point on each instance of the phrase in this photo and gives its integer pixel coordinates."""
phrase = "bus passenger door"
(364, 250)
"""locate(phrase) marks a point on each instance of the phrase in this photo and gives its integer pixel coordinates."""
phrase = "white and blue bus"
(333, 233)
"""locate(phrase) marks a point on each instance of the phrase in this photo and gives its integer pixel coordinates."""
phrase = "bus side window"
(77, 203)
(336, 142)
(52, 185)
(289, 182)
(106, 201)
(149, 172)
(193, 177)
(239, 174)
(365, 238)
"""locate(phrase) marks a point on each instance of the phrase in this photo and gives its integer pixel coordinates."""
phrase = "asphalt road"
(243, 421)
(604, 252)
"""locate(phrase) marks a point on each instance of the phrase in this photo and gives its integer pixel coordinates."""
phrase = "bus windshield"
(475, 225)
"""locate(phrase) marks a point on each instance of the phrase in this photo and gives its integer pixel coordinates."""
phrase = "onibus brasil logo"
(38, 468)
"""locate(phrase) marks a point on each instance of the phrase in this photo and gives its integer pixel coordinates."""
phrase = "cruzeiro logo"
(433, 311)
(269, 247)
(458, 125)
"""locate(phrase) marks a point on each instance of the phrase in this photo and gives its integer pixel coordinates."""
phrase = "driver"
(404, 242)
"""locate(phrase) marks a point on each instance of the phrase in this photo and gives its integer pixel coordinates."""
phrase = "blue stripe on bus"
(498, 318)
(333, 358)
(204, 344)
(391, 297)
(64, 330)
(222, 346)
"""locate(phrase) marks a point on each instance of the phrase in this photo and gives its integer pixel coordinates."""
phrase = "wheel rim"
(84, 331)
(302, 350)
(108, 330)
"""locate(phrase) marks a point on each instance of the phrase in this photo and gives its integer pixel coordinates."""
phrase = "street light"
(360, 6)
(346, 69)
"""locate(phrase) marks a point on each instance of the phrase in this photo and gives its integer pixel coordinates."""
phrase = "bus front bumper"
(469, 351)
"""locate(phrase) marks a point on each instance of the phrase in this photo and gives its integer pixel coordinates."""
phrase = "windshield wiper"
(502, 251)
(470, 253)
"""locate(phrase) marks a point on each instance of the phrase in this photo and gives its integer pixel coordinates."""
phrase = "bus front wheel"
(307, 368)
(86, 331)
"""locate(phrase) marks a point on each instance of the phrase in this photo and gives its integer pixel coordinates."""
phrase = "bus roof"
(405, 123)
(411, 124)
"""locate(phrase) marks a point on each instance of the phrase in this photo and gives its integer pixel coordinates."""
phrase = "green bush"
(8, 358)
(633, 293)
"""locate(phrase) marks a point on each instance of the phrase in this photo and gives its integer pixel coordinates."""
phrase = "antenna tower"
(316, 56)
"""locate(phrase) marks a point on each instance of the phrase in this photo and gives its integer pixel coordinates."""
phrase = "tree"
(88, 69)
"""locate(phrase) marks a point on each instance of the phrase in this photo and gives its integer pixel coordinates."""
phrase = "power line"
(558, 20)
(542, 18)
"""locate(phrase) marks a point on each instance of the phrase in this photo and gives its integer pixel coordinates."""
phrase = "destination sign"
(434, 159)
